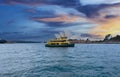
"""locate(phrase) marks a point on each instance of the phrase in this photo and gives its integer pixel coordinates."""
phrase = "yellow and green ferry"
(59, 42)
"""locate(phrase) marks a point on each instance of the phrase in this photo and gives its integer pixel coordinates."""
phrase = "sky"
(39, 20)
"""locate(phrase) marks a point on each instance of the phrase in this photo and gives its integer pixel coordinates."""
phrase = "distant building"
(77, 41)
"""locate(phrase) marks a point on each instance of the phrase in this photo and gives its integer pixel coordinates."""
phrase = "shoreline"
(74, 43)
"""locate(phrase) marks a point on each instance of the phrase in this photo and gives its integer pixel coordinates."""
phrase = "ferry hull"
(69, 45)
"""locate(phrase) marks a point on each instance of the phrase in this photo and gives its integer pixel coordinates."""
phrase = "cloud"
(92, 2)
(24, 2)
(112, 26)
(106, 18)
(53, 16)
(90, 10)
(71, 3)
(55, 13)
(78, 28)
(111, 10)
(110, 16)
(108, 21)
(101, 12)
(86, 2)
(58, 10)
(62, 18)
(93, 10)
(113, 1)
(31, 10)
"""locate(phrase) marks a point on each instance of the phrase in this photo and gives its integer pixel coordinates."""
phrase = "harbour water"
(36, 60)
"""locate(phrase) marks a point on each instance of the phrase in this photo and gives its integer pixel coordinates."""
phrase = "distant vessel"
(3, 41)
(62, 41)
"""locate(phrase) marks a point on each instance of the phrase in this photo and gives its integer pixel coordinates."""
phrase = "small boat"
(60, 42)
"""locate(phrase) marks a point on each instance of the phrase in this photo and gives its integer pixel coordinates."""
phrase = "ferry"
(62, 41)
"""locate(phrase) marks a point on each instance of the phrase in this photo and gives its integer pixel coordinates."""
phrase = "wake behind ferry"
(62, 41)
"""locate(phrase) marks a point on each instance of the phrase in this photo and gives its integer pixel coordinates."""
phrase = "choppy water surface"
(83, 60)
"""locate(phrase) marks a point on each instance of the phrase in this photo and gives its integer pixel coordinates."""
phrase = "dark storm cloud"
(110, 16)
(92, 10)
(89, 10)
(42, 2)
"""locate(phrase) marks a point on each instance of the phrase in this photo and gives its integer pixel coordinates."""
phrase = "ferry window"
(52, 44)
(65, 43)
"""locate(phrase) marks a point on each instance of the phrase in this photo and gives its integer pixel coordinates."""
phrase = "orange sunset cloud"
(111, 26)
(61, 18)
